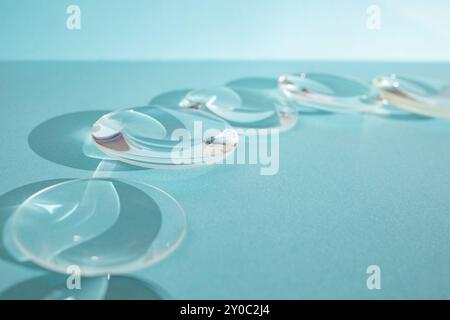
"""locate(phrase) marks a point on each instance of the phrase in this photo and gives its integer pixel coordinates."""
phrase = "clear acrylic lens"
(329, 92)
(429, 98)
(101, 225)
(153, 136)
(243, 108)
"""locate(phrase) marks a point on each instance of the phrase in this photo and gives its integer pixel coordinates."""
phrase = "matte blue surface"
(351, 191)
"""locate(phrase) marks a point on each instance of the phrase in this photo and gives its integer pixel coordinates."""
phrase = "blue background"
(352, 190)
(218, 29)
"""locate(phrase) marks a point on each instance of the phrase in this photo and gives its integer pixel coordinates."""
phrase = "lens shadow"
(9, 202)
(270, 84)
(139, 213)
(127, 240)
(131, 288)
(254, 83)
(170, 99)
(53, 286)
(64, 140)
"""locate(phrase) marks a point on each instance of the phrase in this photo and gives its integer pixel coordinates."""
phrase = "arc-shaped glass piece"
(243, 108)
(429, 98)
(153, 136)
(99, 225)
(329, 92)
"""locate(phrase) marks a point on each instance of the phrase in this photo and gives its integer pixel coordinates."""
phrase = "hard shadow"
(170, 98)
(125, 241)
(256, 83)
(64, 140)
(267, 84)
(53, 286)
(139, 222)
(9, 202)
(131, 288)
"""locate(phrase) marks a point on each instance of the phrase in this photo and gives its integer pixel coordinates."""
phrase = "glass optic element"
(427, 98)
(329, 92)
(102, 225)
(154, 136)
(243, 108)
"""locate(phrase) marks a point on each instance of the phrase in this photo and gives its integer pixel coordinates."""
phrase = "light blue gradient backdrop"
(219, 29)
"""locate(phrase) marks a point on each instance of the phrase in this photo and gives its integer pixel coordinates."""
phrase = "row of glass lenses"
(107, 225)
(144, 136)
(388, 95)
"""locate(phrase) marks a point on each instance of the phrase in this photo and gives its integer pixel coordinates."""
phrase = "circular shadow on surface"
(254, 83)
(131, 288)
(64, 138)
(270, 84)
(139, 222)
(53, 286)
(9, 202)
(124, 240)
(170, 98)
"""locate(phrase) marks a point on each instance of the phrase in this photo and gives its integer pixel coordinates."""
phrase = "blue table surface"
(352, 190)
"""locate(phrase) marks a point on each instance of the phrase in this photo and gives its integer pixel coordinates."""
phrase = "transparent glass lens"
(243, 108)
(100, 225)
(429, 98)
(153, 136)
(329, 92)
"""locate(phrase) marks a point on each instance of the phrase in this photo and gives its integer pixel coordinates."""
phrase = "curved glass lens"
(243, 108)
(99, 225)
(428, 98)
(153, 136)
(329, 92)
